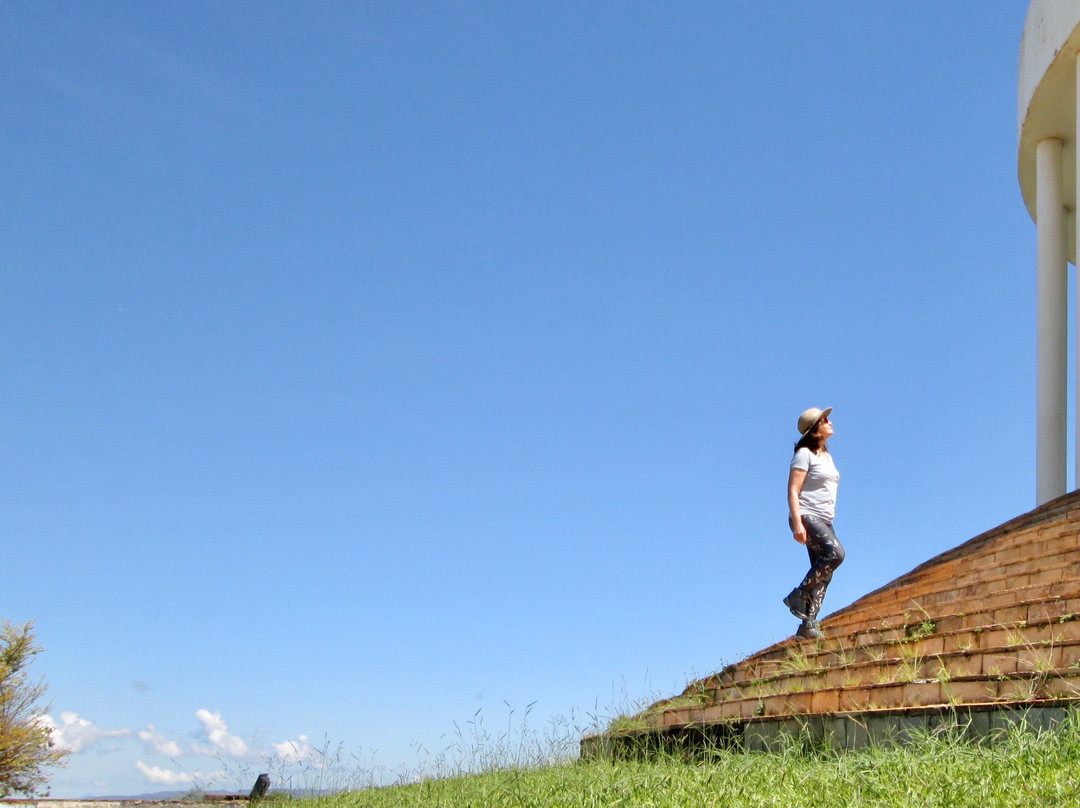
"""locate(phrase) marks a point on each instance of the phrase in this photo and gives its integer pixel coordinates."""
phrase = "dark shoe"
(796, 603)
(810, 630)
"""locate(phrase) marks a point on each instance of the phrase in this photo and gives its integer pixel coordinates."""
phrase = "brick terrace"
(988, 625)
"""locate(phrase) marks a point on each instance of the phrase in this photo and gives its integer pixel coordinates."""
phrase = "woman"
(811, 494)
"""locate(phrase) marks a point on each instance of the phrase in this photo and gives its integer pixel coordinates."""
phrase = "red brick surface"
(995, 619)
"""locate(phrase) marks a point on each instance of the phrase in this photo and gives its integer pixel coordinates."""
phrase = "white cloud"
(156, 774)
(79, 734)
(298, 751)
(221, 740)
(156, 742)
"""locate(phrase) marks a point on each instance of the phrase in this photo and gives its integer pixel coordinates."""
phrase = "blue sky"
(366, 366)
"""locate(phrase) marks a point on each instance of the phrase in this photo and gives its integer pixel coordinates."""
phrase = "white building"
(1048, 108)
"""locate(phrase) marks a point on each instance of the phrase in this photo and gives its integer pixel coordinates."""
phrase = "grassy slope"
(1022, 769)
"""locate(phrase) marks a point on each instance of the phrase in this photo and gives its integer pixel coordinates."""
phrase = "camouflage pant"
(826, 554)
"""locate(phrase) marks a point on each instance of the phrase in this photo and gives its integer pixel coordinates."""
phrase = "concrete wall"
(845, 731)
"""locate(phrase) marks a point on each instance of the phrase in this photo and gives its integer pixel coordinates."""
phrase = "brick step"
(835, 653)
(962, 571)
(1036, 604)
(1033, 613)
(1042, 603)
(991, 582)
(910, 611)
(1026, 687)
(1007, 579)
(910, 664)
(1059, 539)
(913, 612)
(1017, 547)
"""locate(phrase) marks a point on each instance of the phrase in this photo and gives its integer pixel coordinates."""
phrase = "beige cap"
(808, 420)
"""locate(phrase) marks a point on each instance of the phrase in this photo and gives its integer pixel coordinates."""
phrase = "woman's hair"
(813, 441)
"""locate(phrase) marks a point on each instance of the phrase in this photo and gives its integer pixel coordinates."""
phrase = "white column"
(1052, 335)
(1076, 260)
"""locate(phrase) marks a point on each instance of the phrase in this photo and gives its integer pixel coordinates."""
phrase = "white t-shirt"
(818, 495)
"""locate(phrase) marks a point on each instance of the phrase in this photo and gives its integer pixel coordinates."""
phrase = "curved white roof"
(1046, 92)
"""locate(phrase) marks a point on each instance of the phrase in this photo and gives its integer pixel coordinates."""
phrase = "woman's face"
(824, 428)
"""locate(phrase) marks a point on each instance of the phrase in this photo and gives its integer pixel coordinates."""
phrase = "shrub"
(26, 747)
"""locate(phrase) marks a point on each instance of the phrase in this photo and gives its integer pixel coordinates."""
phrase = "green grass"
(1021, 768)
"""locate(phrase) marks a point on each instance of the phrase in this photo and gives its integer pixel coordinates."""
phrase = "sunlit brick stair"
(993, 623)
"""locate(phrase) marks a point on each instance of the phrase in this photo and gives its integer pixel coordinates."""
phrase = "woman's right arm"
(794, 485)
